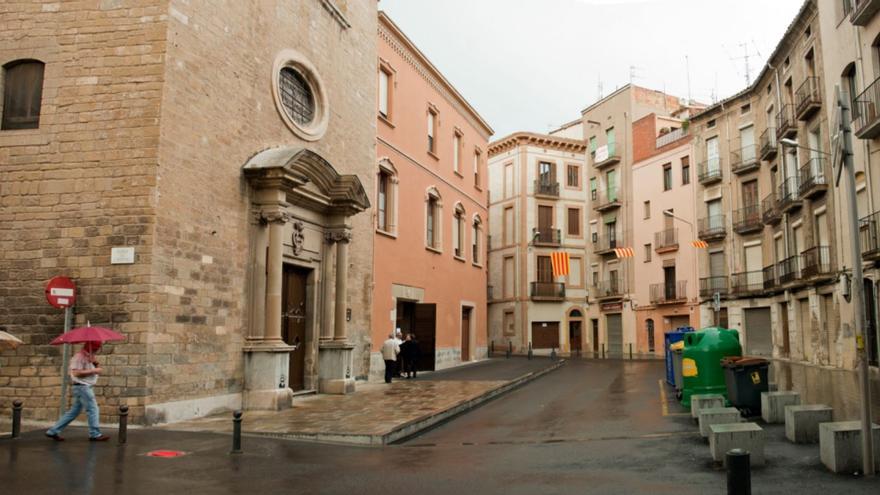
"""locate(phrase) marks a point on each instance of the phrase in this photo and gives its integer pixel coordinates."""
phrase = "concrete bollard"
(123, 424)
(739, 474)
(16, 418)
(236, 432)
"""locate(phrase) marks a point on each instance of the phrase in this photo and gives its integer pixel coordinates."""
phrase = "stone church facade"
(233, 147)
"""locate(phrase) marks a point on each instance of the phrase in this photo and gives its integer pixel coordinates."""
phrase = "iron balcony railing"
(666, 239)
(545, 187)
(547, 290)
(710, 285)
(609, 288)
(669, 292)
(605, 243)
(785, 122)
(671, 137)
(816, 262)
(808, 97)
(789, 193)
(769, 276)
(788, 270)
(869, 236)
(606, 199)
(747, 219)
(744, 159)
(710, 170)
(547, 236)
(862, 11)
(770, 209)
(865, 114)
(712, 227)
(768, 142)
(747, 282)
(813, 178)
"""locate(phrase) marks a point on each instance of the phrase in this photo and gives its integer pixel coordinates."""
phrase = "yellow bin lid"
(677, 346)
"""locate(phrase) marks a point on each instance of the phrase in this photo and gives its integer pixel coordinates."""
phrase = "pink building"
(430, 209)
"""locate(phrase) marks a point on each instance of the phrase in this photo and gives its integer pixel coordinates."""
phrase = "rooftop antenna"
(600, 87)
(687, 69)
(633, 73)
(745, 58)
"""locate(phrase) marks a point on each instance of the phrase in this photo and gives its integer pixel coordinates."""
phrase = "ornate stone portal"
(295, 189)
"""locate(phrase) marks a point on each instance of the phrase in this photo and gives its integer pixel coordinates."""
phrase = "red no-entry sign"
(61, 292)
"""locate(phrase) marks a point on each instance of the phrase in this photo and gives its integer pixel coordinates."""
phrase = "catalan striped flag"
(624, 252)
(700, 244)
(559, 261)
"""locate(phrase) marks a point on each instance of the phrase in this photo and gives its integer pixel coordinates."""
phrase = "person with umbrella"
(84, 370)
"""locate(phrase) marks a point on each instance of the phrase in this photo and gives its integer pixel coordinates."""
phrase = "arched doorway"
(575, 331)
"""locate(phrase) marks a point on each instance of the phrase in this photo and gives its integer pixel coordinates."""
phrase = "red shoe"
(56, 437)
(102, 438)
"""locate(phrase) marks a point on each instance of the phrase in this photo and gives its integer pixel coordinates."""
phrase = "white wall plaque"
(122, 256)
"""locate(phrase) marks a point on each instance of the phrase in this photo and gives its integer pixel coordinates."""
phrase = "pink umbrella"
(87, 334)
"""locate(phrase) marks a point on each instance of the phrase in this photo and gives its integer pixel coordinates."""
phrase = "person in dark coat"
(409, 350)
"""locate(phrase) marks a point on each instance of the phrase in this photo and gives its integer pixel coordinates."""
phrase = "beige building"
(227, 154)
(537, 206)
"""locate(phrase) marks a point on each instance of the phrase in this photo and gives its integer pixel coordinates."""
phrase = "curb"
(418, 425)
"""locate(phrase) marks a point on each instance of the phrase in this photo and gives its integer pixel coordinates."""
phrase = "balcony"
(865, 115)
(813, 180)
(547, 237)
(788, 270)
(863, 11)
(769, 146)
(671, 137)
(745, 283)
(808, 98)
(770, 213)
(712, 228)
(744, 160)
(789, 197)
(786, 125)
(710, 285)
(606, 155)
(607, 200)
(869, 237)
(769, 276)
(605, 244)
(546, 188)
(747, 220)
(609, 289)
(710, 171)
(816, 263)
(672, 292)
(547, 291)
(666, 241)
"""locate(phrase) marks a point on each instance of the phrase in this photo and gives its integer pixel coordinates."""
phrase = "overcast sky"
(531, 65)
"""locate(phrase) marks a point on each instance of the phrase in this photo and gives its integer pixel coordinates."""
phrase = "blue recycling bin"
(672, 337)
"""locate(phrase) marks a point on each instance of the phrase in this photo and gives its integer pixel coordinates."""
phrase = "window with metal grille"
(22, 94)
(296, 96)
(685, 170)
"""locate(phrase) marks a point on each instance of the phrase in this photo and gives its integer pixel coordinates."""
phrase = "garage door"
(758, 332)
(614, 324)
(678, 322)
(545, 335)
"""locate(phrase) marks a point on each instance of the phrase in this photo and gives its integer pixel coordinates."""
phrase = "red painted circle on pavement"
(165, 453)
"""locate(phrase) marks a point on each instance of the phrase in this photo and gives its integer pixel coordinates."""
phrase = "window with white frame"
(476, 240)
(458, 231)
(433, 227)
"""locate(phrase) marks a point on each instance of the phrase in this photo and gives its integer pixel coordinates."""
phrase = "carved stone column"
(328, 282)
(275, 218)
(340, 332)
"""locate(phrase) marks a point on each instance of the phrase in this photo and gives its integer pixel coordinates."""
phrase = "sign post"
(716, 307)
(61, 293)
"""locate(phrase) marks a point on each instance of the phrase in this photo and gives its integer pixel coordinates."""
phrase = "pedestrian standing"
(390, 351)
(409, 350)
(398, 337)
(84, 371)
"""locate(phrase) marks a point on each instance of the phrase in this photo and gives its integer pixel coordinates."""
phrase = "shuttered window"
(22, 94)
(574, 222)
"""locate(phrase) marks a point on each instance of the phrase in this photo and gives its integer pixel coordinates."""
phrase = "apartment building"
(665, 292)
(764, 161)
(431, 214)
(607, 127)
(538, 206)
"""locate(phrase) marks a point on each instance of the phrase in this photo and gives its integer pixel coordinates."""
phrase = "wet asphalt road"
(590, 427)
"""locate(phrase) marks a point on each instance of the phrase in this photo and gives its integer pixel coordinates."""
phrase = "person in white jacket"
(390, 350)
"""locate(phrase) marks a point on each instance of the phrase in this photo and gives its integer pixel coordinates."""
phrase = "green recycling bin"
(701, 368)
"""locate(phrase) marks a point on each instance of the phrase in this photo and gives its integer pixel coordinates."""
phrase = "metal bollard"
(739, 474)
(236, 432)
(603, 350)
(630, 351)
(491, 348)
(123, 424)
(530, 350)
(509, 349)
(553, 354)
(16, 418)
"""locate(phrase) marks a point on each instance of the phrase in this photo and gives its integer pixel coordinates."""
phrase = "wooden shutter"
(574, 222)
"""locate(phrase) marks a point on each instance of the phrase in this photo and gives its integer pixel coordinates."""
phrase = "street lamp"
(791, 143)
(844, 143)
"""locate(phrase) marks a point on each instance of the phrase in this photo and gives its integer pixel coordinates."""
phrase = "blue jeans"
(83, 398)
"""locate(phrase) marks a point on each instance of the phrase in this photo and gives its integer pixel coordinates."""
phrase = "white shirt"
(390, 350)
(82, 361)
